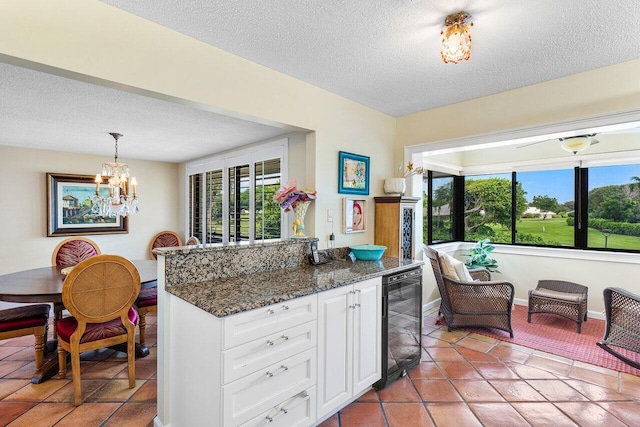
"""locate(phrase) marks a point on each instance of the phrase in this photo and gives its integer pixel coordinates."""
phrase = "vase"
(394, 186)
(298, 219)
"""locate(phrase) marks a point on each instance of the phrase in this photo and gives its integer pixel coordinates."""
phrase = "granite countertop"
(223, 297)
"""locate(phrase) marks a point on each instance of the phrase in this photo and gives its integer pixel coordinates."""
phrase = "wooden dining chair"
(99, 294)
(27, 320)
(164, 239)
(71, 251)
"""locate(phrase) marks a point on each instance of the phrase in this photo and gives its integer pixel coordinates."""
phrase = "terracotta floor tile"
(542, 414)
(630, 385)
(595, 377)
(6, 351)
(587, 414)
(88, 414)
(530, 372)
(452, 415)
(23, 353)
(550, 365)
(370, 396)
(65, 394)
(587, 366)
(497, 414)
(477, 391)
(436, 391)
(332, 421)
(552, 356)
(434, 342)
(43, 415)
(37, 392)
(494, 370)
(556, 391)
(8, 366)
(508, 353)
(360, 414)
(426, 370)
(407, 414)
(26, 371)
(516, 391)
(450, 337)
(627, 412)
(99, 354)
(401, 390)
(11, 410)
(114, 390)
(103, 370)
(145, 369)
(146, 393)
(475, 344)
(595, 392)
(476, 356)
(439, 354)
(10, 386)
(459, 370)
(132, 415)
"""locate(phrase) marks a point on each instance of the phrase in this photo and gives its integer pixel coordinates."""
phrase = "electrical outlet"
(329, 215)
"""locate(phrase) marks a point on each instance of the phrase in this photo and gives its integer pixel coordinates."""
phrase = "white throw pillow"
(461, 269)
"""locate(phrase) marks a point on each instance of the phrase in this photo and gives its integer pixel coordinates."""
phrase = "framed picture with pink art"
(353, 174)
(355, 215)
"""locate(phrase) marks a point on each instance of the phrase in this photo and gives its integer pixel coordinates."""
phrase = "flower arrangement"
(288, 196)
(411, 170)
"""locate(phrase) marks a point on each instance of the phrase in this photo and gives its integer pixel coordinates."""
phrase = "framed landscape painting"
(353, 174)
(69, 202)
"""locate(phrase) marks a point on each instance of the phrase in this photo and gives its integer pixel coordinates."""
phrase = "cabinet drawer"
(247, 326)
(248, 397)
(252, 356)
(297, 411)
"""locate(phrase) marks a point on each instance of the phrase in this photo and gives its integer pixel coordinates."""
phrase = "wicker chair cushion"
(95, 331)
(148, 297)
(454, 269)
(74, 251)
(29, 316)
(565, 296)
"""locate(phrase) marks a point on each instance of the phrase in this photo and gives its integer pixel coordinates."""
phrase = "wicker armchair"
(622, 310)
(483, 303)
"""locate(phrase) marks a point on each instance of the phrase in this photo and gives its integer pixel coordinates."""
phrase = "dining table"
(44, 285)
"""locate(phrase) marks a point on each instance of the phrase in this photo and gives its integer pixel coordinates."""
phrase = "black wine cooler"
(401, 324)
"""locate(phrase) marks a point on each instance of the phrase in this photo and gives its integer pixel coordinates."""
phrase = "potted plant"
(480, 256)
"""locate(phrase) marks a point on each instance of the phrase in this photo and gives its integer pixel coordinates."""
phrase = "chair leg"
(39, 347)
(62, 363)
(131, 361)
(142, 323)
(77, 384)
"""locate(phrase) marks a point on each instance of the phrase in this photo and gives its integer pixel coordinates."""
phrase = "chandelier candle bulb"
(98, 181)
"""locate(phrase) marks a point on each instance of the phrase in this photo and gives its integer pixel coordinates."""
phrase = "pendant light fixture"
(122, 198)
(456, 38)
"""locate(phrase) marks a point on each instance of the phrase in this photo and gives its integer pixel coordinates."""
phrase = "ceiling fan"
(572, 144)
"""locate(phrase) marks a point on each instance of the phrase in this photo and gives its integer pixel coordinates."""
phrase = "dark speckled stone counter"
(223, 280)
(222, 297)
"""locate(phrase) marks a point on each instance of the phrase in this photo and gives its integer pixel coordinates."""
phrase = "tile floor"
(464, 380)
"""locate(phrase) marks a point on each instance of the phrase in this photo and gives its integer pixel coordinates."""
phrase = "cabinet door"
(367, 347)
(335, 349)
(407, 219)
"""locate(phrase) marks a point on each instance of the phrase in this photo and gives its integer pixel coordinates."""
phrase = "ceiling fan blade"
(534, 143)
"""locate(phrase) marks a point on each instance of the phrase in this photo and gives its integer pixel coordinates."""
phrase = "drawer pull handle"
(269, 342)
(284, 411)
(357, 305)
(285, 307)
(271, 311)
(284, 337)
(269, 374)
(304, 394)
(284, 367)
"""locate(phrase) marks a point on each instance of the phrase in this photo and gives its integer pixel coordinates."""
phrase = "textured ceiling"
(380, 53)
(386, 53)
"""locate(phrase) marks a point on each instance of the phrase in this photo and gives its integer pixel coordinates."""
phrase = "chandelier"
(122, 198)
(456, 38)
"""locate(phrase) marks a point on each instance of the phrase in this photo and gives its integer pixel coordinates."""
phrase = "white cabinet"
(349, 346)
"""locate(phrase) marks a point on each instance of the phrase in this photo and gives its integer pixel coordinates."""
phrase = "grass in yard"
(556, 230)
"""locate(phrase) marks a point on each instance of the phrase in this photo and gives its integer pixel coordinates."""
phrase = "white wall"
(23, 213)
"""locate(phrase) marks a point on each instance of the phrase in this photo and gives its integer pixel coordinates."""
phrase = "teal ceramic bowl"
(368, 252)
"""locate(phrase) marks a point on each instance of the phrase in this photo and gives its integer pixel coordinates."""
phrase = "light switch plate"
(329, 215)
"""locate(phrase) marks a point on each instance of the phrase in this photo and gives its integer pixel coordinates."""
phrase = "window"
(614, 207)
(487, 207)
(548, 218)
(230, 198)
(441, 208)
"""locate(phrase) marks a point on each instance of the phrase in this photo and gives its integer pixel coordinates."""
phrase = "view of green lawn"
(557, 230)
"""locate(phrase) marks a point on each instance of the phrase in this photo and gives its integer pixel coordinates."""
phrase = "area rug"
(557, 335)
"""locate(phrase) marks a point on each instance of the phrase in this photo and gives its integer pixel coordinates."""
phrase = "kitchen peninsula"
(254, 334)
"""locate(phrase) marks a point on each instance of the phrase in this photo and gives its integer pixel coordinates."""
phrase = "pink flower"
(288, 195)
